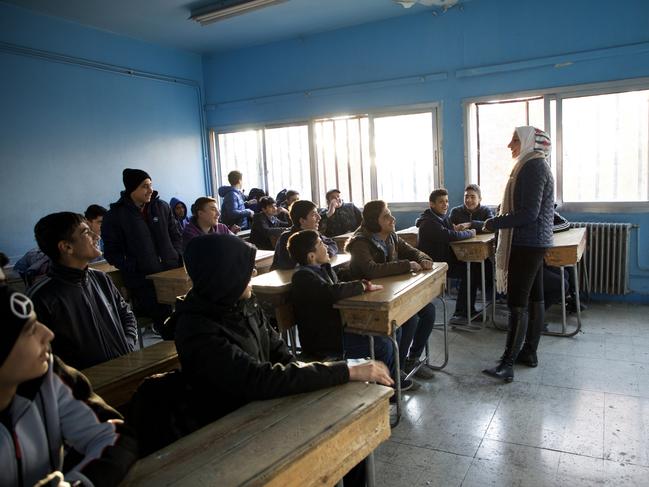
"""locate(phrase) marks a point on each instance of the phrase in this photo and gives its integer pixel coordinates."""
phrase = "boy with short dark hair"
(266, 224)
(314, 290)
(339, 217)
(435, 234)
(471, 214)
(81, 305)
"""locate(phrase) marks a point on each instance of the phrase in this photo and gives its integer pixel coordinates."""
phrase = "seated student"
(339, 217)
(435, 233)
(314, 290)
(285, 198)
(46, 406)
(81, 305)
(179, 210)
(377, 251)
(236, 208)
(229, 354)
(204, 220)
(471, 214)
(304, 215)
(32, 266)
(266, 224)
(95, 217)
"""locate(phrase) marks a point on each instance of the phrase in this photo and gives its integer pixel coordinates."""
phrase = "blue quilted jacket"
(533, 214)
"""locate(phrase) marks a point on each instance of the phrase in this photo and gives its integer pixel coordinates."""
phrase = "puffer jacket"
(370, 262)
(141, 243)
(55, 409)
(533, 215)
(230, 356)
(233, 209)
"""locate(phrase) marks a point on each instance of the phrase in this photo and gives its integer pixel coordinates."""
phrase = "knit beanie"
(133, 178)
(16, 310)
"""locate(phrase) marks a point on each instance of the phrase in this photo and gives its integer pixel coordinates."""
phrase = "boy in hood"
(235, 209)
(141, 237)
(45, 405)
(179, 209)
(435, 234)
(81, 305)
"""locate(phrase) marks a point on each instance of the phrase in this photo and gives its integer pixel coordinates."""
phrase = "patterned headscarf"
(533, 140)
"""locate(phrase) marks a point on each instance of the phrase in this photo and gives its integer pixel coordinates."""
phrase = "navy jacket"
(283, 260)
(233, 208)
(139, 244)
(314, 291)
(477, 217)
(264, 227)
(435, 234)
(347, 218)
(533, 215)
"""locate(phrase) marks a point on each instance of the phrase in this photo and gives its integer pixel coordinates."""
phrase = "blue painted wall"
(373, 66)
(72, 120)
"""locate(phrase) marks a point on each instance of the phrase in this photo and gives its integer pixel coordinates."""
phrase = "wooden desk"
(477, 249)
(274, 288)
(304, 440)
(103, 266)
(341, 240)
(567, 250)
(175, 282)
(244, 235)
(116, 380)
(410, 235)
(382, 312)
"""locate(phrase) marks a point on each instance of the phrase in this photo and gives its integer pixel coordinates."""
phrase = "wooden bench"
(305, 440)
(116, 380)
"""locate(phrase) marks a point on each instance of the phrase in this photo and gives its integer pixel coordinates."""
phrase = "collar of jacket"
(68, 275)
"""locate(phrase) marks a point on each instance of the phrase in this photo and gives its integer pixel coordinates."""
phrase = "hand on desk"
(488, 225)
(371, 371)
(369, 287)
(414, 266)
(235, 228)
(426, 265)
(462, 226)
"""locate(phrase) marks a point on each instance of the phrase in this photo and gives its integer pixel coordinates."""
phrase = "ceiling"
(165, 22)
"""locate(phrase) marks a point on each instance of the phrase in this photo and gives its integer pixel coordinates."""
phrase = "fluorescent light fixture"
(229, 8)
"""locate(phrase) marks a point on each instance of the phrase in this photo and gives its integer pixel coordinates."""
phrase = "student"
(141, 238)
(471, 214)
(95, 217)
(228, 352)
(81, 305)
(339, 217)
(46, 406)
(235, 209)
(204, 220)
(304, 215)
(435, 233)
(288, 198)
(314, 290)
(32, 266)
(377, 251)
(179, 209)
(266, 224)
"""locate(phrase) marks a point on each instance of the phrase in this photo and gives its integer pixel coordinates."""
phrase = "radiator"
(605, 262)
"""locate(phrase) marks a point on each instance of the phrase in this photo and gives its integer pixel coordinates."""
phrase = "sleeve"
(530, 184)
(363, 264)
(455, 216)
(114, 249)
(430, 231)
(174, 232)
(332, 247)
(282, 259)
(223, 366)
(126, 316)
(108, 447)
(322, 293)
(230, 208)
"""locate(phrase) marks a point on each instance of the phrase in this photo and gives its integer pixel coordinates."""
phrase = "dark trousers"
(458, 271)
(525, 276)
(415, 333)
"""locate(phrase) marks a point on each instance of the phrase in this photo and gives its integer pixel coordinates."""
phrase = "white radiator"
(606, 258)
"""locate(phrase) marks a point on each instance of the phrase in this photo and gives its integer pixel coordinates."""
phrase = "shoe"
(408, 384)
(458, 319)
(515, 337)
(424, 371)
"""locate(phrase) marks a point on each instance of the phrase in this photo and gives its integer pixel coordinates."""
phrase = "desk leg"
(371, 346)
(397, 365)
(369, 470)
(577, 329)
(484, 294)
(445, 326)
(468, 294)
(563, 301)
(575, 270)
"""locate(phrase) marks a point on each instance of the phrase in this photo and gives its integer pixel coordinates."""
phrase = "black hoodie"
(229, 353)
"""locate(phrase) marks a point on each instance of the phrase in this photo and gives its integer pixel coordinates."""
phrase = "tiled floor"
(580, 419)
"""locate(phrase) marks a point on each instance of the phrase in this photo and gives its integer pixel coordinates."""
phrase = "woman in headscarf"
(525, 232)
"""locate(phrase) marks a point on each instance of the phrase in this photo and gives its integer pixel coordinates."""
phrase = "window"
(387, 156)
(600, 135)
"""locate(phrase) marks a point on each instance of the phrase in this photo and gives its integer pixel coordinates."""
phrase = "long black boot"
(527, 355)
(515, 337)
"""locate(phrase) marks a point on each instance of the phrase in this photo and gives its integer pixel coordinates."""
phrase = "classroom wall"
(73, 117)
(516, 44)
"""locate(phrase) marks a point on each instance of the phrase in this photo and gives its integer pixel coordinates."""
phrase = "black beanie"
(220, 267)
(133, 178)
(16, 309)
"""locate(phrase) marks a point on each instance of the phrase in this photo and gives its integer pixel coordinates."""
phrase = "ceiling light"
(229, 8)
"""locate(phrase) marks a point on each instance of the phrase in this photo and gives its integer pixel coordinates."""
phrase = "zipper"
(19, 457)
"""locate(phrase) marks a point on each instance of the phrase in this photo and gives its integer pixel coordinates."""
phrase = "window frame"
(438, 165)
(557, 94)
